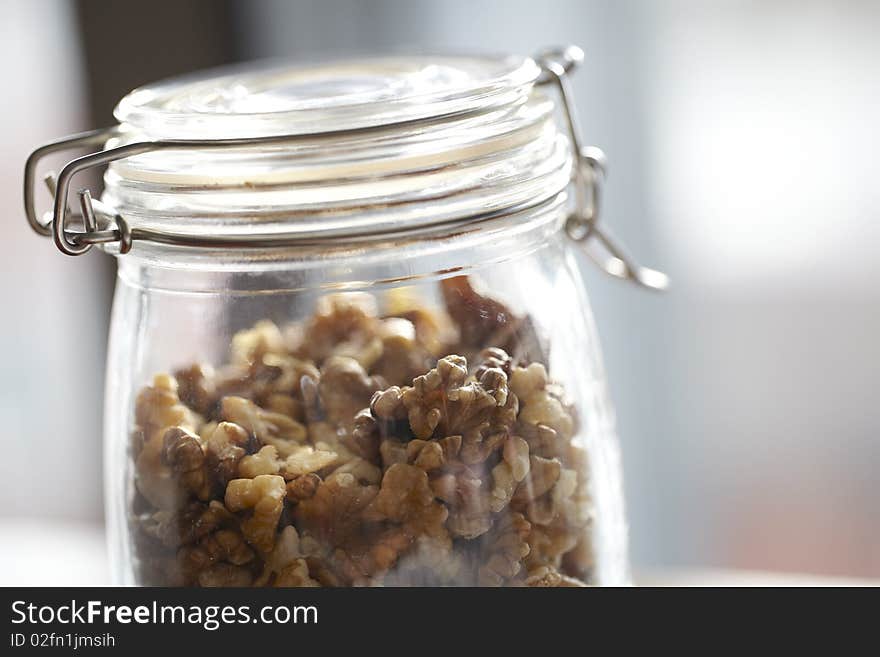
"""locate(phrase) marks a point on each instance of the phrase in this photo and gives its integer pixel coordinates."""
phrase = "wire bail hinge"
(588, 175)
(100, 224)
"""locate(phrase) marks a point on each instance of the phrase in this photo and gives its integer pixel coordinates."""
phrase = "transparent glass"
(423, 411)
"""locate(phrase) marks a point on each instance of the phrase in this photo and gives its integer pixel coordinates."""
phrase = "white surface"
(52, 553)
(731, 578)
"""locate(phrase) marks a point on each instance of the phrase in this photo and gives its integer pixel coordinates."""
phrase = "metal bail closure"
(588, 174)
(100, 224)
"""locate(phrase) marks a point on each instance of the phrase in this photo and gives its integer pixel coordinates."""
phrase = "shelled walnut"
(414, 447)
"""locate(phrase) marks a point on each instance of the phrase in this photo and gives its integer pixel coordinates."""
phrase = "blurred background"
(740, 136)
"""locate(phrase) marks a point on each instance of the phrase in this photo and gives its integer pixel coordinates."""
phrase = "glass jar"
(349, 341)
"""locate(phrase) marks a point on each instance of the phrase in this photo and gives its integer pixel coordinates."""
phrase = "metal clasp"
(588, 174)
(101, 224)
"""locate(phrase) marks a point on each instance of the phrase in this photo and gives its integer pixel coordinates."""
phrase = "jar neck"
(341, 265)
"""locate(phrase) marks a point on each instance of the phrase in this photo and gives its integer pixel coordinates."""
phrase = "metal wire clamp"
(102, 224)
(588, 175)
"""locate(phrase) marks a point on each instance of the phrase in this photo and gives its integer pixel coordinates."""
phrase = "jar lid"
(277, 99)
(341, 149)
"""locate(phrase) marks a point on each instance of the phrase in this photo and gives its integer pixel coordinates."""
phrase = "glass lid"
(356, 147)
(279, 98)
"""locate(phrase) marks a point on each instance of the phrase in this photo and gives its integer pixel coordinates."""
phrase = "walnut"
(444, 401)
(509, 472)
(469, 510)
(302, 460)
(483, 321)
(493, 358)
(539, 405)
(279, 402)
(543, 576)
(478, 318)
(451, 446)
(567, 581)
(196, 387)
(362, 470)
(365, 437)
(235, 380)
(505, 546)
(579, 561)
(306, 460)
(281, 431)
(390, 414)
(445, 487)
(516, 455)
(543, 474)
(295, 574)
(264, 495)
(430, 561)
(333, 515)
(361, 563)
(392, 452)
(159, 407)
(187, 525)
(426, 400)
(285, 374)
(526, 380)
(550, 542)
(302, 488)
(565, 504)
(476, 446)
(225, 446)
(543, 441)
(225, 575)
(273, 381)
(562, 492)
(541, 408)
(469, 525)
(344, 389)
(403, 357)
(427, 455)
(312, 408)
(251, 345)
(343, 324)
(286, 565)
(320, 570)
(434, 329)
(406, 498)
(182, 451)
(225, 545)
(263, 462)
(328, 437)
(206, 430)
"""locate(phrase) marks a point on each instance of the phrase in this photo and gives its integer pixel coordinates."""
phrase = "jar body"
(424, 413)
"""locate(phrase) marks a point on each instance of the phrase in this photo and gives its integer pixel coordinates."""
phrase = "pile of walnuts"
(418, 448)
